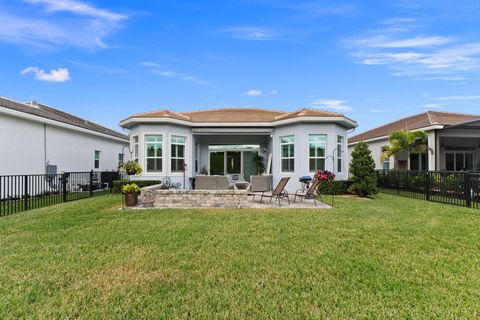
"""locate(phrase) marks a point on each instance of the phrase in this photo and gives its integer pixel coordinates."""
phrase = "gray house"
(227, 141)
(454, 139)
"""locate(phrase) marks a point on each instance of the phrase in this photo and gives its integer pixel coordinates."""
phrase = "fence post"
(91, 183)
(427, 185)
(64, 186)
(467, 189)
(25, 192)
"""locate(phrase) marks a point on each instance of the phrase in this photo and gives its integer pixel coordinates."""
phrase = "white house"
(226, 141)
(454, 140)
(35, 137)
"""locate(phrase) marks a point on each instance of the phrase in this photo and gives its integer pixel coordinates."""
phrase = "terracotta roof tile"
(414, 122)
(231, 115)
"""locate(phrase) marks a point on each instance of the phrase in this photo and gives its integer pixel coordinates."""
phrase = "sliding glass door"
(459, 161)
(233, 160)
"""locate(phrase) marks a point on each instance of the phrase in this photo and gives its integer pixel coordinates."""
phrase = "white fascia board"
(34, 118)
(348, 122)
(232, 131)
(430, 128)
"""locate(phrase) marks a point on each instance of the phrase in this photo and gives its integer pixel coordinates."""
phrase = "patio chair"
(259, 184)
(309, 193)
(222, 183)
(278, 193)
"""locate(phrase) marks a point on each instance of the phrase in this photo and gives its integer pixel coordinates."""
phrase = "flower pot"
(131, 199)
(131, 172)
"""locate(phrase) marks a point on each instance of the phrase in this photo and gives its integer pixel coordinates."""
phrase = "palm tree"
(411, 142)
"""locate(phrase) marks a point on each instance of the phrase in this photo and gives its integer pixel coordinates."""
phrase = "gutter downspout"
(45, 147)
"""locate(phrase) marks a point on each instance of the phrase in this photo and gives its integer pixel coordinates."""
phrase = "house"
(454, 139)
(227, 141)
(35, 139)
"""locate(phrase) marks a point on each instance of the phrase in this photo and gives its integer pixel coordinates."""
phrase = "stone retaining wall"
(155, 197)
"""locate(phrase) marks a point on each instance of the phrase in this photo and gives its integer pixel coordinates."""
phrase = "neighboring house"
(454, 139)
(35, 138)
(226, 141)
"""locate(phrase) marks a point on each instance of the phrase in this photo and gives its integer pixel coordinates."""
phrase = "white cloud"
(434, 57)
(55, 75)
(273, 92)
(458, 98)
(85, 27)
(79, 8)
(160, 70)
(415, 42)
(434, 105)
(251, 33)
(254, 93)
(338, 105)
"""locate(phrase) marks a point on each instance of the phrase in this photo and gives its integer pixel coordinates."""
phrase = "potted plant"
(131, 192)
(260, 166)
(131, 167)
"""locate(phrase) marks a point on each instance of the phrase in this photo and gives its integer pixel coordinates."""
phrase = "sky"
(374, 61)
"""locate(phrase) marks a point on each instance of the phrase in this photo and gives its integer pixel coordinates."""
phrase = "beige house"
(454, 139)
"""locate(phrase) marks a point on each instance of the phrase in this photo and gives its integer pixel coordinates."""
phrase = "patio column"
(432, 157)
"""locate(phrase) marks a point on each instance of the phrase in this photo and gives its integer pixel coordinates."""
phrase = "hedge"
(118, 184)
(337, 187)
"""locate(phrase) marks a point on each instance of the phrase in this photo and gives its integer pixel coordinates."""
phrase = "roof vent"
(33, 104)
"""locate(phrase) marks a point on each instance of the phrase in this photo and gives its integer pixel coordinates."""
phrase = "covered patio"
(459, 147)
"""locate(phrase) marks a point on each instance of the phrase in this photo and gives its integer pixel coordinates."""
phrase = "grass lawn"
(391, 257)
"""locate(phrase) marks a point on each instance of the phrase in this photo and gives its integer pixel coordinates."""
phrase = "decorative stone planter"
(155, 197)
(131, 199)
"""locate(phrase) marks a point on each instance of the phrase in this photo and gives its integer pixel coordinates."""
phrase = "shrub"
(335, 188)
(131, 188)
(118, 184)
(362, 168)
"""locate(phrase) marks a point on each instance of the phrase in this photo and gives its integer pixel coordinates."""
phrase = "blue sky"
(375, 61)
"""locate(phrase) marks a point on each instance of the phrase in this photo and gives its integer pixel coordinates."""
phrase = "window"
(177, 153)
(120, 159)
(287, 155)
(234, 162)
(97, 159)
(459, 161)
(318, 147)
(419, 161)
(135, 148)
(340, 154)
(154, 148)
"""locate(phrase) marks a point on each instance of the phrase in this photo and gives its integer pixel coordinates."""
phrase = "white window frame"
(95, 159)
(136, 146)
(291, 156)
(184, 144)
(145, 152)
(340, 153)
(316, 156)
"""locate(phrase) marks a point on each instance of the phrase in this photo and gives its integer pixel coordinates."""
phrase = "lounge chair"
(278, 193)
(309, 194)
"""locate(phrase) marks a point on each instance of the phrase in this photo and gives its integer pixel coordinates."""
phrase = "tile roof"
(417, 121)
(50, 113)
(230, 115)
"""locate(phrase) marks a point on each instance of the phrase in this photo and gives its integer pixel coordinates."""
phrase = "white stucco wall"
(301, 133)
(26, 146)
(167, 130)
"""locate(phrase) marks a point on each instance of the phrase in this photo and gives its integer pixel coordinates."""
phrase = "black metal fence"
(25, 192)
(458, 188)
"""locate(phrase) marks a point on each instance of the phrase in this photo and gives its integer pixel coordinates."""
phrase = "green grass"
(391, 257)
